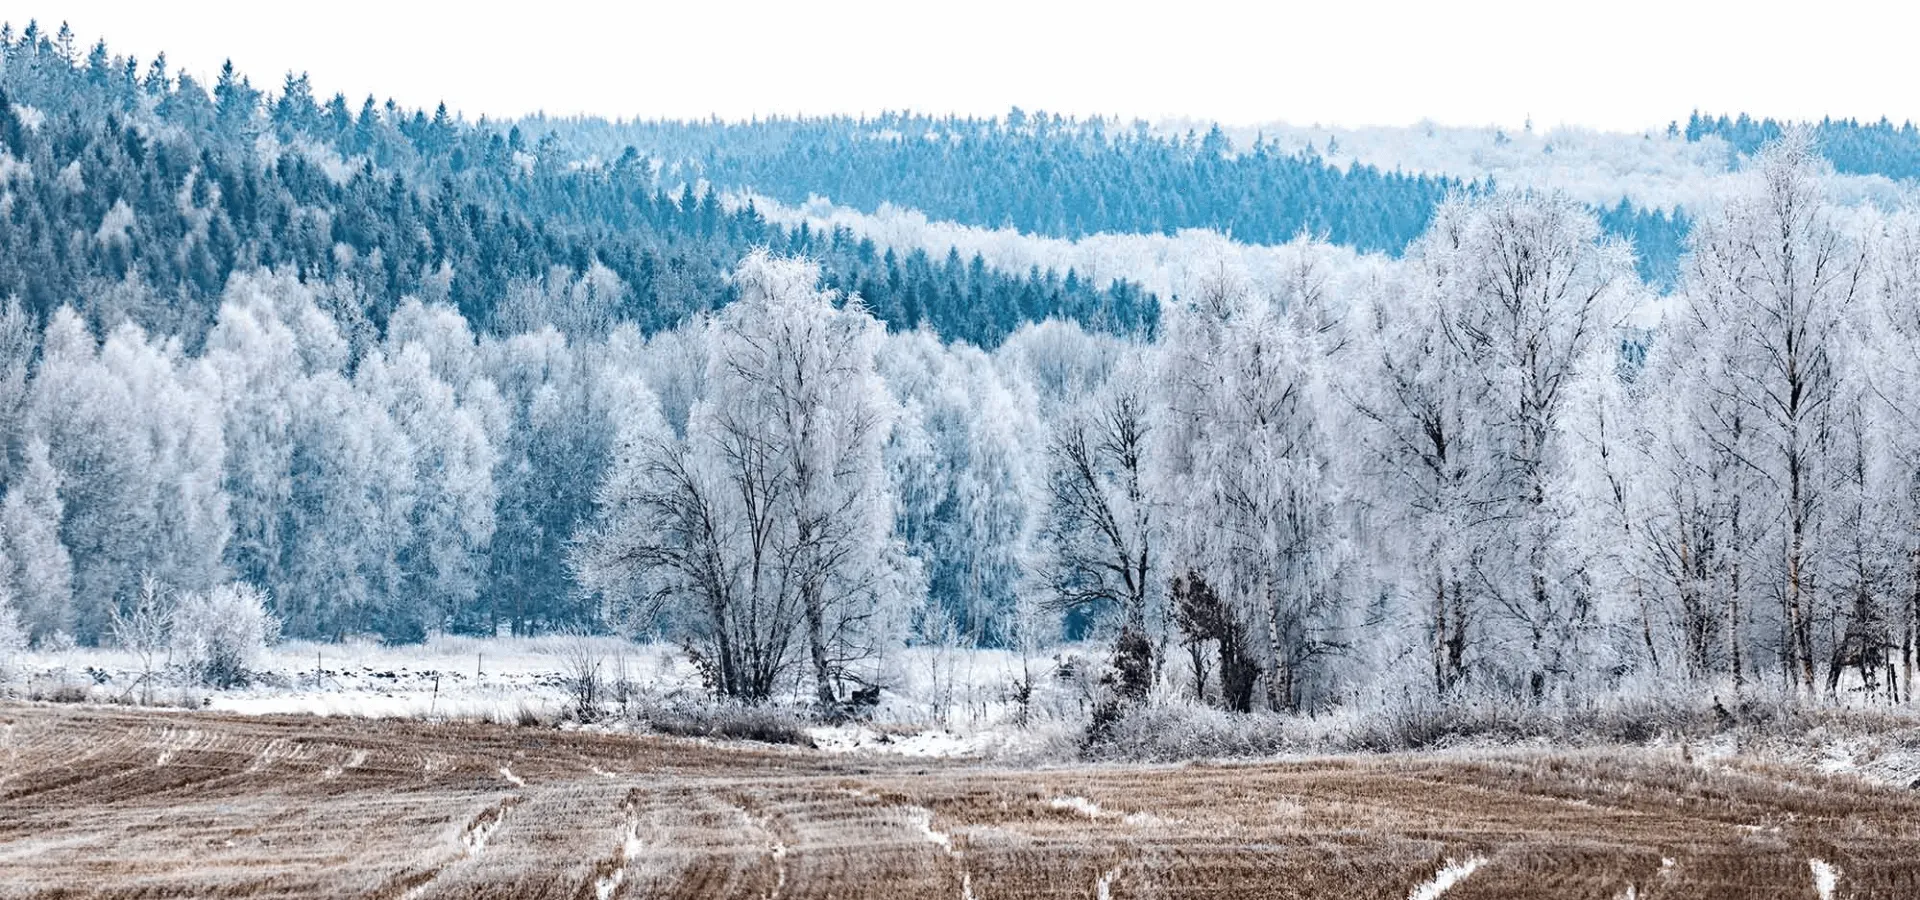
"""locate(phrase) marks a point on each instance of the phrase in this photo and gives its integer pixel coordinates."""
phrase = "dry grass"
(107, 802)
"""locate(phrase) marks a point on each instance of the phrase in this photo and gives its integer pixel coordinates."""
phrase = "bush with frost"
(13, 641)
(219, 635)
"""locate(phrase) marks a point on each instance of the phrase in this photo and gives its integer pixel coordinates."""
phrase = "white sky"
(1610, 64)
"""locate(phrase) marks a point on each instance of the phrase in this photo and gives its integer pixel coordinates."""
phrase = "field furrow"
(115, 803)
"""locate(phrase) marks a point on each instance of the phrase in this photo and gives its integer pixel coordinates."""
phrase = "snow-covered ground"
(939, 702)
(1168, 265)
(1651, 168)
(448, 676)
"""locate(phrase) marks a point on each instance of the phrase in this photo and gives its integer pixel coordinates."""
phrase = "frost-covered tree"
(39, 569)
(670, 547)
(450, 522)
(1098, 540)
(795, 403)
(145, 628)
(348, 518)
(1626, 525)
(1775, 274)
(965, 459)
(1250, 496)
(268, 346)
(1696, 523)
(583, 307)
(1527, 293)
(552, 453)
(321, 479)
(19, 342)
(89, 420)
(772, 515)
(1890, 359)
(13, 638)
(138, 442)
(1421, 442)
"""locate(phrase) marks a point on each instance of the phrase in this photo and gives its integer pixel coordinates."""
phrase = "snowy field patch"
(937, 703)
(1443, 881)
(927, 744)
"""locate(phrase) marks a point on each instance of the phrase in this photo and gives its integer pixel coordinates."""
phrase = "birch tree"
(1775, 271)
(1251, 498)
(1527, 292)
(773, 512)
(1098, 541)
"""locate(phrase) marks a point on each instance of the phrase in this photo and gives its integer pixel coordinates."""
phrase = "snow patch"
(355, 760)
(923, 818)
(511, 778)
(1444, 880)
(275, 749)
(779, 854)
(605, 886)
(1080, 805)
(176, 740)
(474, 838)
(1144, 820)
(925, 744)
(1826, 877)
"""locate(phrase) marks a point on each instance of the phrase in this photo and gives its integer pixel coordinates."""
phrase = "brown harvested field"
(110, 803)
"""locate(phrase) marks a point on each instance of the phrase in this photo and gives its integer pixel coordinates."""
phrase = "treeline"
(1854, 147)
(1045, 175)
(430, 478)
(1060, 177)
(141, 191)
(1480, 472)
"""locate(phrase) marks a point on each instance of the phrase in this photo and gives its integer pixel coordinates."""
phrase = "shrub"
(218, 635)
(581, 662)
(145, 629)
(771, 725)
(1180, 732)
(13, 641)
(61, 690)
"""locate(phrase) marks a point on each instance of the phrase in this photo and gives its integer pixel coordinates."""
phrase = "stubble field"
(99, 802)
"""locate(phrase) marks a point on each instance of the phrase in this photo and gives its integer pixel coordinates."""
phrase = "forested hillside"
(1854, 147)
(400, 375)
(137, 192)
(1047, 175)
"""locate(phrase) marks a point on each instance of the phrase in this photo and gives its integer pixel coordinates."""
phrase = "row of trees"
(129, 159)
(424, 477)
(1504, 464)
(1492, 465)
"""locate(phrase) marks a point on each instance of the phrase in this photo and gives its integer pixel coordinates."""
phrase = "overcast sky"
(1613, 64)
